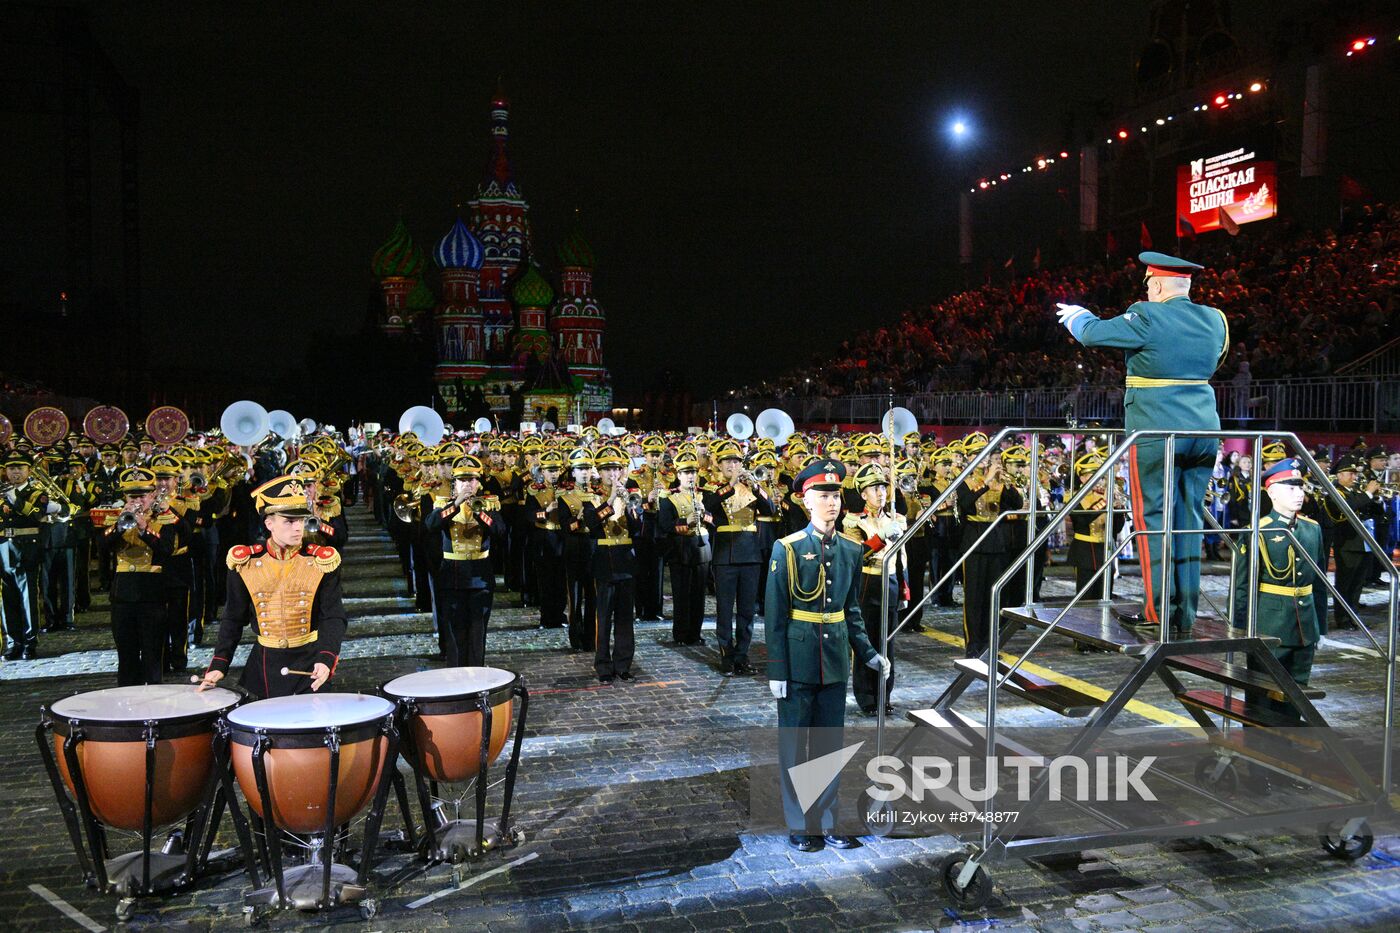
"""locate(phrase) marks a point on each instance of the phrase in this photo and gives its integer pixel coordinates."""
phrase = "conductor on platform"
(813, 624)
(1173, 346)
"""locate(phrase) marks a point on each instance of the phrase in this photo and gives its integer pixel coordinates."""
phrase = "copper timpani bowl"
(112, 728)
(444, 717)
(297, 756)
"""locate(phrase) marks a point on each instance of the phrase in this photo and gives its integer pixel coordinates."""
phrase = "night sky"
(758, 181)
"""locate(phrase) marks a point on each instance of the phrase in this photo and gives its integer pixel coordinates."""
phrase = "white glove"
(880, 663)
(1069, 313)
(779, 689)
(53, 508)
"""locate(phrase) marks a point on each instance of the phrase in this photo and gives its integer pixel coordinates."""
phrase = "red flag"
(1184, 228)
(1144, 237)
(1228, 223)
(1111, 244)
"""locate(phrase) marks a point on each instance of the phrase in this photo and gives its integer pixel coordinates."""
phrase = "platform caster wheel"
(368, 908)
(877, 815)
(514, 838)
(126, 909)
(1227, 781)
(457, 875)
(979, 887)
(1350, 847)
(252, 916)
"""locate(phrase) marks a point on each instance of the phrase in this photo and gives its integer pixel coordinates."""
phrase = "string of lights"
(1218, 102)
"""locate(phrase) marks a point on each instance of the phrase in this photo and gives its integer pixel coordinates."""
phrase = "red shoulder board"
(325, 553)
(240, 552)
(258, 549)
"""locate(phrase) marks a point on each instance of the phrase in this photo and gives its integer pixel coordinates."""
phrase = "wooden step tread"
(1236, 675)
(1240, 710)
(1314, 767)
(1094, 623)
(1055, 697)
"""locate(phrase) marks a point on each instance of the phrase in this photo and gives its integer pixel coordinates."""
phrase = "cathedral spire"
(500, 177)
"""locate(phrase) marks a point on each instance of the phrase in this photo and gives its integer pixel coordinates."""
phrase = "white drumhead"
(151, 701)
(312, 711)
(449, 682)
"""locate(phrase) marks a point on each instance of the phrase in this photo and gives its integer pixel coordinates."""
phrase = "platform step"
(1052, 696)
(966, 731)
(1094, 624)
(1235, 675)
(1241, 710)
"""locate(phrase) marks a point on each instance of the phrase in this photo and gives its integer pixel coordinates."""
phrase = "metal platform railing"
(1038, 534)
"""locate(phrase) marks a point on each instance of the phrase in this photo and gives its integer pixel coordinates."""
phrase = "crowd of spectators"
(1300, 303)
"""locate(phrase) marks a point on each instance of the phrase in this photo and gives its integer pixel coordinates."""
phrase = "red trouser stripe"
(1149, 604)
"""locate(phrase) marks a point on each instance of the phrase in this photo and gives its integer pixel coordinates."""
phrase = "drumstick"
(288, 670)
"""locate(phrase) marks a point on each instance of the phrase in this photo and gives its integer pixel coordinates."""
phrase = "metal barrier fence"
(1357, 403)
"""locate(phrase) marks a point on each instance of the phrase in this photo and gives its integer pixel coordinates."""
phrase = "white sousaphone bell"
(739, 426)
(774, 424)
(606, 427)
(424, 422)
(481, 425)
(306, 427)
(245, 423)
(898, 422)
(281, 423)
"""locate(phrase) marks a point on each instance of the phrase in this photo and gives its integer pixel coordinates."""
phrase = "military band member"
(985, 496)
(945, 530)
(1354, 556)
(178, 573)
(23, 508)
(467, 524)
(138, 595)
(813, 625)
(1287, 605)
(578, 550)
(873, 528)
(1089, 528)
(764, 466)
(686, 534)
(1172, 346)
(650, 566)
(1319, 506)
(614, 525)
(547, 540)
(736, 504)
(290, 593)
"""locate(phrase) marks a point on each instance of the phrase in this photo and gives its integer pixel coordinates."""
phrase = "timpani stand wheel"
(368, 908)
(126, 909)
(1217, 774)
(455, 723)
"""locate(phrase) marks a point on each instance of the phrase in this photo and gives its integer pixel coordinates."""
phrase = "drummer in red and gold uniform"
(291, 594)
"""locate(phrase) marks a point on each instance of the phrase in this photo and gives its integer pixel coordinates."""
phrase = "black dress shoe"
(742, 667)
(726, 665)
(605, 678)
(841, 842)
(29, 654)
(804, 843)
(868, 712)
(1133, 619)
(627, 676)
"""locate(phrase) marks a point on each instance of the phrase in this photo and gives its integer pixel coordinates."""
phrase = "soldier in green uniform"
(1289, 606)
(1173, 346)
(813, 623)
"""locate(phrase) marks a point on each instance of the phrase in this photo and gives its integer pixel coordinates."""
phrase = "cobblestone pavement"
(633, 801)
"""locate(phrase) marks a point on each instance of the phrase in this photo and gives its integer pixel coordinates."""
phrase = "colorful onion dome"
(421, 298)
(533, 289)
(576, 252)
(459, 249)
(397, 257)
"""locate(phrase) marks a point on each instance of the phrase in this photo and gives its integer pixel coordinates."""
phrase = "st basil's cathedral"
(506, 337)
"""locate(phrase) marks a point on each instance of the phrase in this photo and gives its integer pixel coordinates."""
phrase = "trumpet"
(762, 473)
(312, 525)
(908, 483)
(126, 521)
(406, 508)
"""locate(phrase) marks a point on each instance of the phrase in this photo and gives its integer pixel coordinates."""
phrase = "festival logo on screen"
(1221, 192)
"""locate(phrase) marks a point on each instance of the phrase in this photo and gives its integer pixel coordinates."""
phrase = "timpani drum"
(455, 723)
(307, 765)
(138, 759)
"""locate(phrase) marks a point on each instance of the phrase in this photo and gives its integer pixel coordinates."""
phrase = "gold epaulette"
(327, 558)
(489, 503)
(241, 554)
(1304, 518)
(793, 538)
